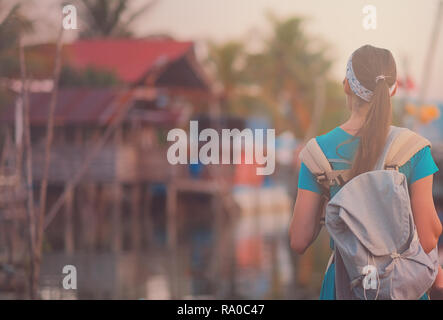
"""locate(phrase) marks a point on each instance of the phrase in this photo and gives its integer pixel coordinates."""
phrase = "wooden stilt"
(80, 200)
(69, 224)
(171, 229)
(33, 271)
(217, 255)
(89, 215)
(117, 239)
(4, 238)
(14, 239)
(101, 219)
(135, 217)
(231, 258)
(117, 232)
(147, 215)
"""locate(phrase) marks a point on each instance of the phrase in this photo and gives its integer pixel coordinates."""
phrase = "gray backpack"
(377, 253)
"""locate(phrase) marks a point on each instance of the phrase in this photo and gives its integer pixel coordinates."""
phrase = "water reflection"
(252, 260)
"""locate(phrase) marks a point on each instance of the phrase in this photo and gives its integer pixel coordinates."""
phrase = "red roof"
(130, 59)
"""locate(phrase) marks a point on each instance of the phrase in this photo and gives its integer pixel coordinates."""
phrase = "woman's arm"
(305, 223)
(427, 222)
(425, 216)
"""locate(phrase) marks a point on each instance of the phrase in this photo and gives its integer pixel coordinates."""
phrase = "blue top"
(419, 166)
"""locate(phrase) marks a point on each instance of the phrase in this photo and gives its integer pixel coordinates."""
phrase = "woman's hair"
(369, 63)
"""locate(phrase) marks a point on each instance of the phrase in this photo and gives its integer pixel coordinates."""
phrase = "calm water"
(250, 260)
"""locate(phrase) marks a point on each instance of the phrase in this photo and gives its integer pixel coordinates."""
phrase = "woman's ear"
(346, 87)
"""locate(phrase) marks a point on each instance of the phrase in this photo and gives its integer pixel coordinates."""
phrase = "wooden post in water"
(28, 170)
(135, 217)
(147, 215)
(102, 202)
(18, 189)
(171, 229)
(117, 192)
(88, 215)
(40, 218)
(69, 225)
(117, 239)
(216, 262)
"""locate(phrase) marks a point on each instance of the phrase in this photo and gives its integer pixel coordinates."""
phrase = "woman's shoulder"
(421, 164)
(405, 138)
(333, 138)
(338, 143)
(403, 130)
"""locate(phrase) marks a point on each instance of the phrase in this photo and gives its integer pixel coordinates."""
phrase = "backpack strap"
(405, 145)
(314, 158)
(316, 161)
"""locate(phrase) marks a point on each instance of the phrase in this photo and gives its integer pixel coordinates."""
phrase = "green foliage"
(105, 18)
(5, 98)
(9, 63)
(289, 56)
(89, 77)
(12, 27)
(280, 79)
(227, 58)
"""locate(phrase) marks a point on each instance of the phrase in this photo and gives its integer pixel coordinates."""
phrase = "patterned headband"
(358, 88)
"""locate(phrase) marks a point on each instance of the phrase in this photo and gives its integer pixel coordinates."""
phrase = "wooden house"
(110, 145)
(160, 86)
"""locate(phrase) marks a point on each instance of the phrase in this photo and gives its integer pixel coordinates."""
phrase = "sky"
(403, 26)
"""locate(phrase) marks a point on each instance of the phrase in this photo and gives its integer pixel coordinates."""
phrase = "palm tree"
(287, 71)
(106, 18)
(12, 26)
(226, 60)
(280, 80)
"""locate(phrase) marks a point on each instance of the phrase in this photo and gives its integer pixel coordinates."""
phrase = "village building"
(110, 142)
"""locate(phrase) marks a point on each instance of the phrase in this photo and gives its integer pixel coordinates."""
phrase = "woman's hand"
(425, 216)
(436, 292)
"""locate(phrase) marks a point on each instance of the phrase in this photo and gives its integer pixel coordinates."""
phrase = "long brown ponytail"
(368, 63)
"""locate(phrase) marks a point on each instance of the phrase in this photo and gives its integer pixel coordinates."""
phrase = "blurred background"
(84, 114)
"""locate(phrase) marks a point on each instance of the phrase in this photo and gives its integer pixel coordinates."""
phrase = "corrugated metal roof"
(81, 106)
(74, 106)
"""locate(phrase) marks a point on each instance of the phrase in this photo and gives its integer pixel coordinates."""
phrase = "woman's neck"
(357, 118)
(354, 123)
